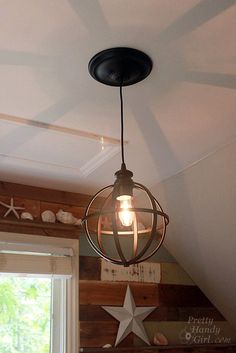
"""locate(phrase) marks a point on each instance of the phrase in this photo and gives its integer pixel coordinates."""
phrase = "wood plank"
(147, 294)
(97, 334)
(43, 194)
(107, 293)
(145, 272)
(141, 270)
(31, 206)
(90, 312)
(77, 211)
(95, 312)
(89, 268)
(212, 312)
(181, 295)
(171, 273)
(175, 331)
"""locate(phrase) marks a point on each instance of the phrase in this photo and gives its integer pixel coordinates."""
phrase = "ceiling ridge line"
(192, 164)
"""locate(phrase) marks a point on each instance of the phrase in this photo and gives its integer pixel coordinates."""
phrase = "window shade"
(33, 259)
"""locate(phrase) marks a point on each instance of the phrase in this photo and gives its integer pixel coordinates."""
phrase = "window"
(38, 294)
(23, 330)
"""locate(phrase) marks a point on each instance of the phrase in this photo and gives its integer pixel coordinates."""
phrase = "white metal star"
(130, 318)
(11, 208)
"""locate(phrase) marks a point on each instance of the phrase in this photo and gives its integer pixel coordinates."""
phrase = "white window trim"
(60, 316)
(72, 317)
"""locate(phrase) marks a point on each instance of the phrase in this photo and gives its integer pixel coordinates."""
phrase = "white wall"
(201, 203)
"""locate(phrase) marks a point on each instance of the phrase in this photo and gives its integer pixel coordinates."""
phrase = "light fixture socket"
(124, 184)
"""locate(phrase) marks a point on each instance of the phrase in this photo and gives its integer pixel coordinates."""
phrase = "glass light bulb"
(125, 203)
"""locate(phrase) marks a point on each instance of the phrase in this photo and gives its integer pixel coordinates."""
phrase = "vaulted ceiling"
(59, 128)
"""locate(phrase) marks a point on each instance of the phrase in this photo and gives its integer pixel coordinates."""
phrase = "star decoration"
(130, 318)
(11, 208)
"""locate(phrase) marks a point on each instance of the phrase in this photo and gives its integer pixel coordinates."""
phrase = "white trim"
(59, 311)
(73, 306)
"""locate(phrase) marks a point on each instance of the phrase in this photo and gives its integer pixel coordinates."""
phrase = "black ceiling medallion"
(130, 225)
(120, 66)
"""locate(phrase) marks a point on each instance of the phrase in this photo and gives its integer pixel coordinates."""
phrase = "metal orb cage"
(120, 244)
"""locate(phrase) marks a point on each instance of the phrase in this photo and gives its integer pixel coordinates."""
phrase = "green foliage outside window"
(25, 306)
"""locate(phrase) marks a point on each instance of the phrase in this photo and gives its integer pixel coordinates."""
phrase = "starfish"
(130, 318)
(11, 208)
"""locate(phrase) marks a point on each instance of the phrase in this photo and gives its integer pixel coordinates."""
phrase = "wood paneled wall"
(175, 296)
(36, 200)
(175, 304)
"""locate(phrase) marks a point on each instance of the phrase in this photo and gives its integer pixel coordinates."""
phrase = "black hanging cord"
(122, 127)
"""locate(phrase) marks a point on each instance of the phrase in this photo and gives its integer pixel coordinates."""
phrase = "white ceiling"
(181, 113)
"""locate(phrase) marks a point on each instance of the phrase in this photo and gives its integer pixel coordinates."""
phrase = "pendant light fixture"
(123, 222)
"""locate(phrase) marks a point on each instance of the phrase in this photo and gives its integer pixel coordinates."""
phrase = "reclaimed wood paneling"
(105, 293)
(97, 334)
(172, 273)
(175, 304)
(211, 312)
(175, 331)
(95, 312)
(145, 272)
(77, 211)
(89, 268)
(181, 295)
(35, 201)
(48, 195)
(32, 206)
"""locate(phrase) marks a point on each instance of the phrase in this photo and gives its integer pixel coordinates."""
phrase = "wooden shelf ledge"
(40, 228)
(202, 348)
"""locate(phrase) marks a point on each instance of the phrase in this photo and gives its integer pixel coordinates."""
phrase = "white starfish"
(130, 318)
(11, 208)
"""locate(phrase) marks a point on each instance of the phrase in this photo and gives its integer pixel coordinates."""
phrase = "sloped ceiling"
(182, 112)
(60, 129)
